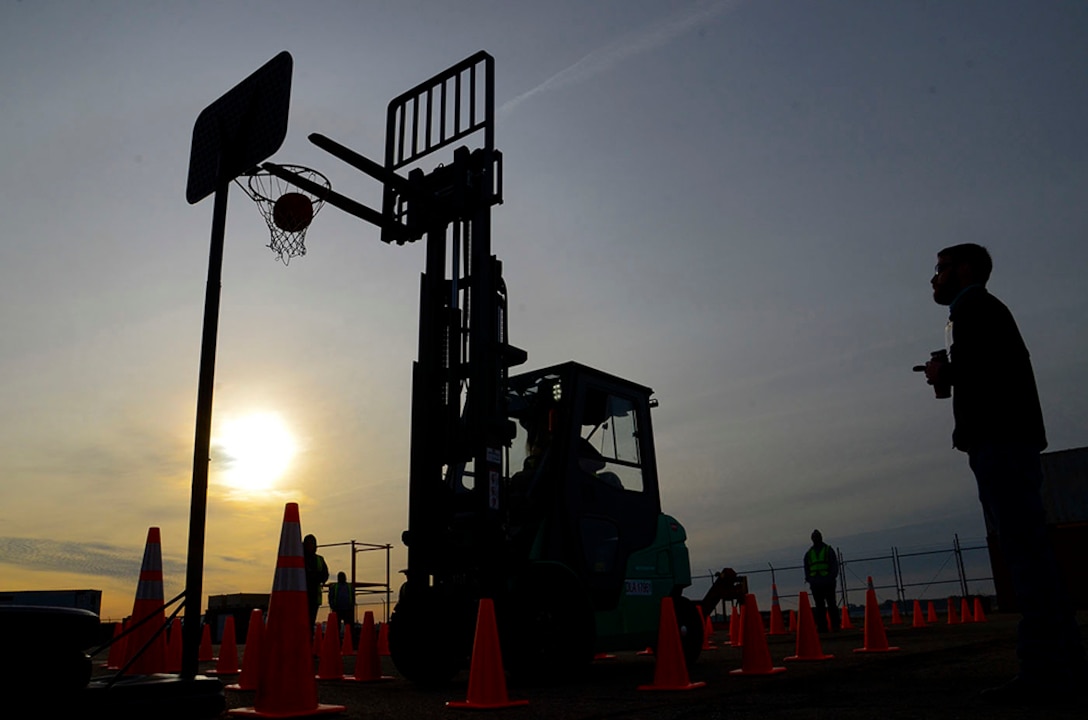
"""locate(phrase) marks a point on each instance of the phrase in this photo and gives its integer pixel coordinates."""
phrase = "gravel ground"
(938, 672)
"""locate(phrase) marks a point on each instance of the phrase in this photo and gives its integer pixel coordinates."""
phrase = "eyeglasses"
(941, 267)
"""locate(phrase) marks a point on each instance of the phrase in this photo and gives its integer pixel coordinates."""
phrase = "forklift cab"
(582, 486)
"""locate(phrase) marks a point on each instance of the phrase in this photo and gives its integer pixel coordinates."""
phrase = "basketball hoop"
(287, 209)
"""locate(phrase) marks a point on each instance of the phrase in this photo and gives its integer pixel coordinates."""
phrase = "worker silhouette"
(821, 574)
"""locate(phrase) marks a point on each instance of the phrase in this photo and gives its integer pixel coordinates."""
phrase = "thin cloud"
(636, 43)
(97, 559)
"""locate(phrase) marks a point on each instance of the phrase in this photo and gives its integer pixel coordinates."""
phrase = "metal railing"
(908, 575)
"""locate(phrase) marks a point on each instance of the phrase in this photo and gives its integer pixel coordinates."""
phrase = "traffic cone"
(778, 627)
(917, 619)
(846, 623)
(251, 660)
(734, 628)
(116, 658)
(368, 662)
(174, 645)
(808, 639)
(148, 614)
(285, 684)
(206, 654)
(952, 618)
(931, 613)
(670, 668)
(875, 638)
(331, 665)
(897, 619)
(227, 662)
(979, 615)
(756, 657)
(707, 644)
(486, 681)
(347, 648)
(965, 611)
(383, 640)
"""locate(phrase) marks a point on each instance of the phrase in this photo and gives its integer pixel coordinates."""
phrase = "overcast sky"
(735, 203)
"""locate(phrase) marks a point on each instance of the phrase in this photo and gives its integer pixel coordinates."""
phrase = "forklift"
(537, 490)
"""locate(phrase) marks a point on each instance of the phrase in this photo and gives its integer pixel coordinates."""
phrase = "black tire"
(428, 639)
(547, 625)
(691, 629)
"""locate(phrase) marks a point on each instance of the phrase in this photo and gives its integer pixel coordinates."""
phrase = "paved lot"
(937, 673)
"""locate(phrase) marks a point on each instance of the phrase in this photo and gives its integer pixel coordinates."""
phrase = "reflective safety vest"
(818, 565)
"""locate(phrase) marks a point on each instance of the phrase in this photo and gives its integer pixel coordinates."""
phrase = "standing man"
(317, 574)
(999, 424)
(342, 600)
(821, 574)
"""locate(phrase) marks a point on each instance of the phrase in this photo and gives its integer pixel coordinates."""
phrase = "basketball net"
(265, 189)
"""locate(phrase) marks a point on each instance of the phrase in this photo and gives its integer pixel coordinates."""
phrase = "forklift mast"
(458, 418)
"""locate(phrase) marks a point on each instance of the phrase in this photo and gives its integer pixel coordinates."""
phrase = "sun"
(254, 451)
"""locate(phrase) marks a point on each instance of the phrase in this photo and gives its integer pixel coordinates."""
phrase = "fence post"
(959, 563)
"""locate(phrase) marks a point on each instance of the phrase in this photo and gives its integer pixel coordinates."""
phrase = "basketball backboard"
(241, 129)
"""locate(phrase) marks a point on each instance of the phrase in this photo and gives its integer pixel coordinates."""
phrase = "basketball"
(292, 212)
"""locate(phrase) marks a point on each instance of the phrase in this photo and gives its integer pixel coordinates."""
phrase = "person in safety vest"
(821, 574)
(342, 599)
(317, 574)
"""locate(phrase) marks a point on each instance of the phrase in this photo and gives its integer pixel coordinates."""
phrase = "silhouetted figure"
(999, 424)
(342, 599)
(821, 574)
(317, 574)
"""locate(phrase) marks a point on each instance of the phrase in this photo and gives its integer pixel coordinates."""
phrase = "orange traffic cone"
(875, 638)
(149, 606)
(228, 650)
(846, 623)
(251, 660)
(368, 662)
(206, 654)
(917, 619)
(778, 627)
(756, 657)
(670, 668)
(897, 619)
(708, 634)
(979, 615)
(331, 665)
(285, 684)
(174, 645)
(116, 658)
(931, 613)
(383, 640)
(734, 628)
(808, 640)
(965, 611)
(952, 619)
(347, 648)
(486, 682)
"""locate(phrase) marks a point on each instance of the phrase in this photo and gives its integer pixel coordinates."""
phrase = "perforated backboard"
(241, 129)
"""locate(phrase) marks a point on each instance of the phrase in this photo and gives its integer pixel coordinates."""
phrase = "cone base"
(238, 686)
(772, 671)
(469, 705)
(380, 678)
(875, 650)
(689, 686)
(802, 658)
(319, 710)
